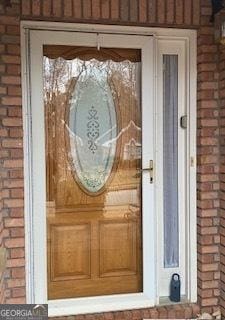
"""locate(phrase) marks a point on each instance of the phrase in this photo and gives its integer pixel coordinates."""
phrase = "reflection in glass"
(93, 160)
(170, 161)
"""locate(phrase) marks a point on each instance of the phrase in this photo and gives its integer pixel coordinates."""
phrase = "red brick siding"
(11, 154)
(208, 165)
(2, 272)
(222, 173)
(171, 312)
(148, 12)
(172, 13)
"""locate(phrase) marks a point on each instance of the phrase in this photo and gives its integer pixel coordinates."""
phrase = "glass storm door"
(106, 231)
(93, 139)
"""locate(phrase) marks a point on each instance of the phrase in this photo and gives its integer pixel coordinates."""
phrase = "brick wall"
(2, 270)
(172, 13)
(11, 152)
(208, 165)
(222, 173)
(147, 12)
(171, 312)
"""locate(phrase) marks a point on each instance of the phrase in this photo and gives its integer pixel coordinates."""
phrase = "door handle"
(150, 170)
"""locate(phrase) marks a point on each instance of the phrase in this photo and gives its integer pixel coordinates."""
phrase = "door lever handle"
(150, 170)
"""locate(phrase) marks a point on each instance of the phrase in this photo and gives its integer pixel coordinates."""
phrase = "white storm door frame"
(35, 189)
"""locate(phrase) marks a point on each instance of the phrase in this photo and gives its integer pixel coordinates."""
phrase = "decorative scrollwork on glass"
(92, 129)
(94, 180)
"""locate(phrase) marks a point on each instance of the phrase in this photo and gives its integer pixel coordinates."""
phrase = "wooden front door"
(93, 160)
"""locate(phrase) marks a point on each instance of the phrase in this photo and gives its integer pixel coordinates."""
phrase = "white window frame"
(172, 47)
(185, 49)
(150, 295)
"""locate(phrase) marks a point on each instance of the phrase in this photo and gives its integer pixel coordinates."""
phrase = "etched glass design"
(170, 160)
(92, 128)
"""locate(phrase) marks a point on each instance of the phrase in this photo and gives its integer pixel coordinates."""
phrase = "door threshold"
(66, 307)
(165, 301)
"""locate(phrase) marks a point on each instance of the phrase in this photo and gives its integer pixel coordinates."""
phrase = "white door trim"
(37, 147)
(36, 270)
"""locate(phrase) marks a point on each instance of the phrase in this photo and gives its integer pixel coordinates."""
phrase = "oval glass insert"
(92, 130)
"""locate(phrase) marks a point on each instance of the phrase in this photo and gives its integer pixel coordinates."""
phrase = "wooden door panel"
(94, 239)
(70, 252)
(95, 287)
(118, 247)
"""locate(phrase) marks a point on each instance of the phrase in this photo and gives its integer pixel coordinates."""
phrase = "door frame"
(36, 286)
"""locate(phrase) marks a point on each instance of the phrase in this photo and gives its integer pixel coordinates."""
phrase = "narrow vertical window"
(170, 161)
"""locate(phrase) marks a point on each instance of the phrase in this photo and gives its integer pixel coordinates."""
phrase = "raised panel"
(118, 248)
(70, 252)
